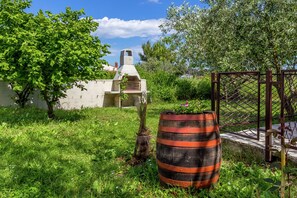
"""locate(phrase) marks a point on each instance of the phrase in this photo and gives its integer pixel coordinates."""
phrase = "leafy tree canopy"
(51, 52)
(15, 34)
(160, 57)
(157, 50)
(235, 35)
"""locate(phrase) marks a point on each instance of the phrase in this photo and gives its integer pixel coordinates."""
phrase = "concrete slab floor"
(260, 144)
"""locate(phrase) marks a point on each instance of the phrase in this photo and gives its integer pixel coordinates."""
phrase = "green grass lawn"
(84, 153)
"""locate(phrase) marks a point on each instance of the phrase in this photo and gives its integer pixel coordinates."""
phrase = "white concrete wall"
(6, 95)
(143, 85)
(94, 96)
(37, 101)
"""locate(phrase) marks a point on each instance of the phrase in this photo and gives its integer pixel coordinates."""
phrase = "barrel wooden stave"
(188, 157)
(189, 150)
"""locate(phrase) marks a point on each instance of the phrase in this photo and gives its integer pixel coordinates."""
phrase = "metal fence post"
(218, 93)
(268, 116)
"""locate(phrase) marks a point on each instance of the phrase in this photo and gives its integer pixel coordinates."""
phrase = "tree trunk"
(50, 110)
(50, 105)
(23, 96)
(287, 100)
(277, 66)
(142, 126)
(142, 144)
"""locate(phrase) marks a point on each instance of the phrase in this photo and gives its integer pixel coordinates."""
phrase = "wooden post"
(268, 116)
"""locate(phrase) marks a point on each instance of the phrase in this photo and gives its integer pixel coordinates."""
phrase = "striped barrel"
(189, 149)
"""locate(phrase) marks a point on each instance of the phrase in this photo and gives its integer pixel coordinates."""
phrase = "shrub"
(194, 106)
(161, 84)
(106, 75)
(165, 86)
(166, 94)
(203, 89)
(184, 89)
(187, 89)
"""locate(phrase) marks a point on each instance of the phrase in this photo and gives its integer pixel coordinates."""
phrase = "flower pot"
(189, 149)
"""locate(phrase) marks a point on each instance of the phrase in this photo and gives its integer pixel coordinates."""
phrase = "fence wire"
(239, 102)
(290, 105)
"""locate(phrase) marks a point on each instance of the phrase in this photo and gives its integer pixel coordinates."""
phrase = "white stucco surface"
(94, 96)
(130, 70)
(6, 94)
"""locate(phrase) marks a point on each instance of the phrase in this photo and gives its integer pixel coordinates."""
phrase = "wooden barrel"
(189, 149)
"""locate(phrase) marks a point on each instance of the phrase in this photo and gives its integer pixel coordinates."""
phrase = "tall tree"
(16, 33)
(160, 57)
(232, 35)
(235, 35)
(49, 52)
(157, 50)
(67, 53)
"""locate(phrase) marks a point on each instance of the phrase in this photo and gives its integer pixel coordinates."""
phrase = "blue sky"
(122, 23)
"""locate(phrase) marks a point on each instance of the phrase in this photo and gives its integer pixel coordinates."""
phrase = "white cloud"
(154, 1)
(117, 28)
(115, 52)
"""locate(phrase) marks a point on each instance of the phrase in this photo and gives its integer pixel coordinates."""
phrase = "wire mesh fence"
(289, 105)
(240, 100)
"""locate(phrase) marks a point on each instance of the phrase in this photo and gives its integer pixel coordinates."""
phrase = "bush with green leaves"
(192, 107)
(184, 89)
(194, 88)
(167, 86)
(161, 84)
(106, 75)
(203, 89)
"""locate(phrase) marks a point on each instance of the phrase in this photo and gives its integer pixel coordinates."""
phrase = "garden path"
(260, 144)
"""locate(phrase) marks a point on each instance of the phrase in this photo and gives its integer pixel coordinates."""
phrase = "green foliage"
(158, 50)
(235, 35)
(185, 89)
(162, 86)
(164, 93)
(69, 55)
(168, 87)
(106, 75)
(158, 57)
(83, 153)
(15, 40)
(154, 65)
(204, 88)
(194, 88)
(192, 107)
(123, 85)
(49, 52)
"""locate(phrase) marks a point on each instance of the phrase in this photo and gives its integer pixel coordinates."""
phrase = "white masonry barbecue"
(134, 87)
